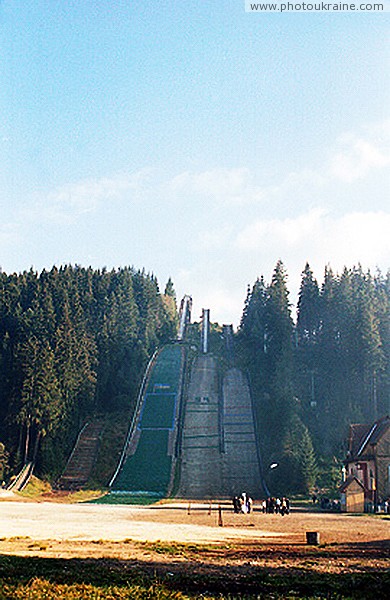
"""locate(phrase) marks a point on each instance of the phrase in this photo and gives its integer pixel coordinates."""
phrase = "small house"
(352, 493)
(368, 460)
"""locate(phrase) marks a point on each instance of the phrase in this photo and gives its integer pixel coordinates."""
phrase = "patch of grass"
(53, 579)
(39, 588)
(86, 495)
(37, 545)
(124, 499)
(36, 578)
(35, 488)
(38, 489)
(172, 548)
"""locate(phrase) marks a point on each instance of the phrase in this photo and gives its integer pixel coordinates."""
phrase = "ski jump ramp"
(194, 432)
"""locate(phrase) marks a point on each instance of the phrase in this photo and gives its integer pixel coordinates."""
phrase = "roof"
(361, 436)
(382, 426)
(345, 485)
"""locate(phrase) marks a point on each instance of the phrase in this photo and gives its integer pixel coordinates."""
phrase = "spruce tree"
(308, 317)
(307, 462)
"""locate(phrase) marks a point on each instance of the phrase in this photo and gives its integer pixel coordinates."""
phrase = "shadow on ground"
(198, 576)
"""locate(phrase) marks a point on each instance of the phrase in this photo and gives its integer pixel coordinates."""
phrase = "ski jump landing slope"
(208, 422)
(219, 449)
(148, 463)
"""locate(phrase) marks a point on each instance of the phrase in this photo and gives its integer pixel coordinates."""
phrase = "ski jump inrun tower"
(205, 332)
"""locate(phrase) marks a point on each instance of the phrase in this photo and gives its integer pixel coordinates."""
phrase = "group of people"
(242, 504)
(280, 506)
(384, 507)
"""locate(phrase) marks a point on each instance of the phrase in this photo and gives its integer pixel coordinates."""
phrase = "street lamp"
(270, 467)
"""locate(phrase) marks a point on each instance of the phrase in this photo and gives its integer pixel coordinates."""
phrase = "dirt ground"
(171, 533)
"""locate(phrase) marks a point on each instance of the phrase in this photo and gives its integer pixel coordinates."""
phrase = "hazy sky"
(193, 139)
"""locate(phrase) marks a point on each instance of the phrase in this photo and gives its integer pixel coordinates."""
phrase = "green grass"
(54, 579)
(123, 498)
(37, 578)
(35, 488)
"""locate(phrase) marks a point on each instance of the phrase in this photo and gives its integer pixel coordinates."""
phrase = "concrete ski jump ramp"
(201, 459)
(219, 456)
(199, 439)
(241, 470)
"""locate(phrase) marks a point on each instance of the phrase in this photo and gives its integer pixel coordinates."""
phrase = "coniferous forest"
(74, 342)
(312, 378)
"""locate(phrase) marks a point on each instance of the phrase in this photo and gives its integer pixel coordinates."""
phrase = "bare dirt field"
(188, 542)
(185, 522)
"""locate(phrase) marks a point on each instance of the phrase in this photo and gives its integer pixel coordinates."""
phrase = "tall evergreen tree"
(298, 463)
(308, 317)
(39, 400)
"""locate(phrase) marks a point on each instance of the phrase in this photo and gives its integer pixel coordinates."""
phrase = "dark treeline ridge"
(312, 378)
(74, 342)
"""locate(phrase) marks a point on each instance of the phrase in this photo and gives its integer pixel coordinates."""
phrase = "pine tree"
(170, 290)
(298, 464)
(381, 383)
(266, 338)
(279, 324)
(170, 317)
(279, 336)
(40, 400)
(308, 318)
(307, 462)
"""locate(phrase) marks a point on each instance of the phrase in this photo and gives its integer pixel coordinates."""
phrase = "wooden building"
(368, 460)
(352, 495)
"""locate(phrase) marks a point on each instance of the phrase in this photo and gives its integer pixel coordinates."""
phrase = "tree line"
(313, 377)
(74, 342)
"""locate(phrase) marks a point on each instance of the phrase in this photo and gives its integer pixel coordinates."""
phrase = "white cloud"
(224, 185)
(224, 303)
(225, 226)
(360, 237)
(215, 239)
(353, 158)
(67, 203)
(210, 288)
(297, 182)
(321, 238)
(357, 155)
(289, 232)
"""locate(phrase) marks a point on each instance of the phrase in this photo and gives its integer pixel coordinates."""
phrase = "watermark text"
(314, 6)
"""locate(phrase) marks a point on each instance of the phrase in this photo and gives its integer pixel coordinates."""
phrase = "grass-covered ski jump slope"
(148, 467)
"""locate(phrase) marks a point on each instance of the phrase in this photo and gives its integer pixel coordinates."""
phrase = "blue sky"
(193, 139)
